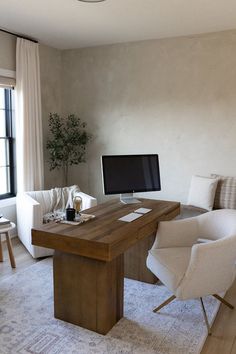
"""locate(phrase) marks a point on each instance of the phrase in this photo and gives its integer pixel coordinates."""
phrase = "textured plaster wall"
(175, 97)
(7, 51)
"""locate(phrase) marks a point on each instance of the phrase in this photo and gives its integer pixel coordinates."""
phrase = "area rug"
(27, 324)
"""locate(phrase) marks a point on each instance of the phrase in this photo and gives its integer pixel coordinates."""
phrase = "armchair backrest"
(217, 224)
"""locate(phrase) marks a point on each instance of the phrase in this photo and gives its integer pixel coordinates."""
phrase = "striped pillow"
(225, 197)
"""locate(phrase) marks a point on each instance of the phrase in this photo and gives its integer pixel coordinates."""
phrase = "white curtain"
(29, 146)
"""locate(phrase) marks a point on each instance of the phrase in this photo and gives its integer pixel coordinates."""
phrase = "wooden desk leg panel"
(135, 261)
(87, 292)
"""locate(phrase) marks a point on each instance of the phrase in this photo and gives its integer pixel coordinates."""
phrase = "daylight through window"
(7, 142)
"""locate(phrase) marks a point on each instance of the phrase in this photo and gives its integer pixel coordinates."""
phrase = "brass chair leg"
(223, 301)
(165, 303)
(205, 317)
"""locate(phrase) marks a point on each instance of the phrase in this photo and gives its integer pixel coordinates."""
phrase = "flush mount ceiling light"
(91, 0)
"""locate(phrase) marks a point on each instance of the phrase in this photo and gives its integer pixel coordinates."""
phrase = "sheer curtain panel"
(29, 145)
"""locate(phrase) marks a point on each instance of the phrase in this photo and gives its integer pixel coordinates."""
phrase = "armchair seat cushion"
(169, 264)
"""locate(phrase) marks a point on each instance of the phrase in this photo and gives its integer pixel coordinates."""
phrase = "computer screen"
(130, 173)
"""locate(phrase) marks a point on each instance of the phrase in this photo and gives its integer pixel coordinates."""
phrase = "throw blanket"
(61, 198)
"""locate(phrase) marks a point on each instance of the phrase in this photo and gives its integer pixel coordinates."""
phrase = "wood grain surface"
(105, 237)
(88, 292)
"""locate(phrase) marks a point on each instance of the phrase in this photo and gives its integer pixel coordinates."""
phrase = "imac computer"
(128, 174)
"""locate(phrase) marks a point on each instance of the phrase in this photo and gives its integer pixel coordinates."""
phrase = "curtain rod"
(19, 35)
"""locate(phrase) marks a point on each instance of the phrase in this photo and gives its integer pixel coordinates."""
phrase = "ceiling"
(67, 24)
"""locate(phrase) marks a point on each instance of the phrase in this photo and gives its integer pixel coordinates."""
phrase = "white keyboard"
(130, 217)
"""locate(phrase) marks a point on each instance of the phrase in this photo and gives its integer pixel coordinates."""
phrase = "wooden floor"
(22, 257)
(222, 340)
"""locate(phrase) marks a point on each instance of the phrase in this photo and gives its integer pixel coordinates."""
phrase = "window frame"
(11, 141)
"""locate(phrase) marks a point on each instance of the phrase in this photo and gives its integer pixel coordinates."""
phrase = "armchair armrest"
(29, 211)
(29, 215)
(176, 233)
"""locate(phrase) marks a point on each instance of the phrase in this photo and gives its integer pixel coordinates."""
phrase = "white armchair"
(190, 269)
(31, 206)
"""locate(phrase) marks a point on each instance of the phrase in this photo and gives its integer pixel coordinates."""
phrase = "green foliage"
(67, 141)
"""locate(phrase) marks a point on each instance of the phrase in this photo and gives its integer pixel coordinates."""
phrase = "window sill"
(7, 202)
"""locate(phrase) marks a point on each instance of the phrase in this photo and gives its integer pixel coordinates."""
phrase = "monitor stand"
(128, 198)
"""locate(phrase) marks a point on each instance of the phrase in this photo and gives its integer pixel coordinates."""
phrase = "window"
(7, 144)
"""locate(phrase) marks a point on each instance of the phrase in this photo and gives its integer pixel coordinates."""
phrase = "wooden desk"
(88, 263)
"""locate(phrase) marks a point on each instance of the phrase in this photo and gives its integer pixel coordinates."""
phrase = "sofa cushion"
(188, 211)
(169, 264)
(225, 197)
(202, 192)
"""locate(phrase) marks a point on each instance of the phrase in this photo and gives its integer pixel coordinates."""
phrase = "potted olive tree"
(66, 143)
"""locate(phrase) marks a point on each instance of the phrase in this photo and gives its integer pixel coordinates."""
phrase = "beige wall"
(7, 51)
(174, 97)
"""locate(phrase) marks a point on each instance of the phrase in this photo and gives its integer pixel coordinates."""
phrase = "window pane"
(2, 98)
(4, 156)
(2, 123)
(6, 149)
(5, 180)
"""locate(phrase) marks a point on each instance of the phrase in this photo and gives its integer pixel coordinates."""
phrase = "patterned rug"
(27, 324)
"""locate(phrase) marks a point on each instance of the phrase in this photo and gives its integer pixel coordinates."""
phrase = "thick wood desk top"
(105, 237)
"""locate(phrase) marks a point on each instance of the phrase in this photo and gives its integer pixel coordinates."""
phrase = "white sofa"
(31, 206)
(224, 197)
